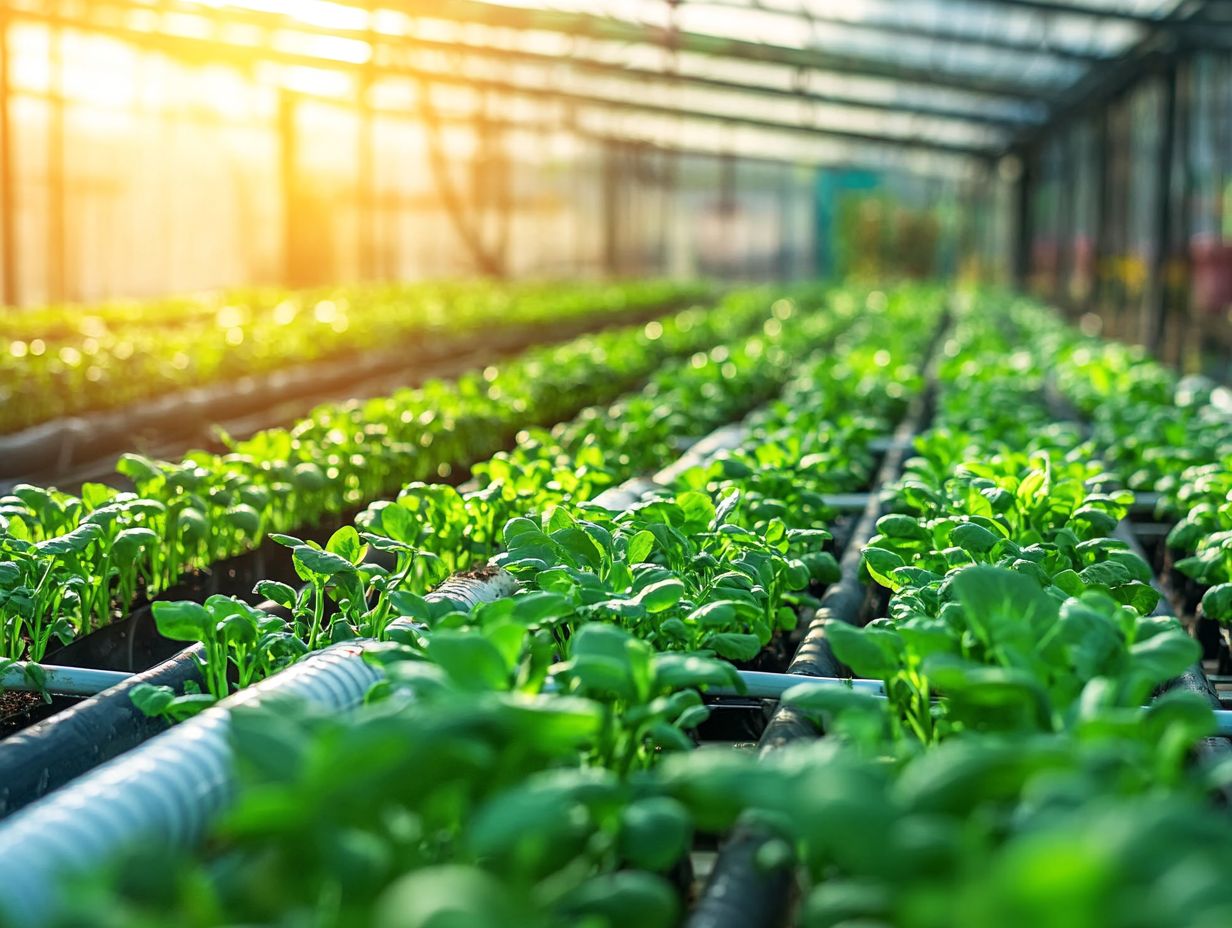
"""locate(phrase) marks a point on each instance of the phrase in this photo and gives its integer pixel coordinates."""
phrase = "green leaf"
(655, 833)
(131, 540)
(1100, 522)
(1106, 573)
(1002, 604)
(137, 468)
(322, 563)
(721, 613)
(152, 700)
(897, 525)
(398, 523)
(698, 509)
(972, 538)
(639, 547)
(661, 596)
(536, 607)
(684, 671)
(74, 542)
(881, 564)
(1142, 597)
(1217, 603)
(626, 897)
(346, 544)
(183, 621)
(1165, 656)
(471, 660)
(734, 646)
(581, 545)
(1070, 582)
(449, 896)
(516, 528)
(870, 652)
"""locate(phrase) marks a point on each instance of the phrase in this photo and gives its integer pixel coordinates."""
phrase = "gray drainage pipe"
(165, 792)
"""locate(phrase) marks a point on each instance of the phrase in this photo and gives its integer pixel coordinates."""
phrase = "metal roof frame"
(197, 49)
(607, 29)
(937, 32)
(1069, 8)
(584, 63)
(1022, 109)
(1102, 84)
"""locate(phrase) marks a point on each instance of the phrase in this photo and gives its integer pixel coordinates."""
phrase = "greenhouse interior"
(606, 463)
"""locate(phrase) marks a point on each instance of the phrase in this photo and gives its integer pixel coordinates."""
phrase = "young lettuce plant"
(674, 571)
(242, 645)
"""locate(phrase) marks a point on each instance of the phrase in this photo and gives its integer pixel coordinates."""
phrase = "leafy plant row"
(1010, 775)
(507, 772)
(69, 564)
(433, 530)
(1164, 434)
(67, 360)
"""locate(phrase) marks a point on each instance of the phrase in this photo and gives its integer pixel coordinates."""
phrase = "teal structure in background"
(832, 185)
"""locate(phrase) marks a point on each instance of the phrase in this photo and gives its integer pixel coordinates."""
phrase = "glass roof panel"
(748, 142)
(975, 21)
(951, 75)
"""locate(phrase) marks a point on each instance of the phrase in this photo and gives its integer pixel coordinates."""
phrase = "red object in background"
(1084, 257)
(1211, 259)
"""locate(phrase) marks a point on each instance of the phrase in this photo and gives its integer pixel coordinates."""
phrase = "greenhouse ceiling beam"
(1028, 115)
(1101, 85)
(1107, 14)
(655, 109)
(1043, 46)
(608, 29)
(705, 82)
(198, 50)
(673, 150)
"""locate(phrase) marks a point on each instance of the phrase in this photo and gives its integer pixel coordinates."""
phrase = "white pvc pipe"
(166, 791)
(773, 685)
(64, 681)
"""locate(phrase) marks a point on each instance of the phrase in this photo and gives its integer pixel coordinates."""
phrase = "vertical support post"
(784, 262)
(611, 182)
(290, 187)
(1099, 245)
(365, 173)
(728, 200)
(1183, 315)
(56, 247)
(1022, 243)
(1067, 219)
(1157, 306)
(8, 204)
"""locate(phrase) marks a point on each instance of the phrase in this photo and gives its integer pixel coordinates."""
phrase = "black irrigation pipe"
(749, 888)
(45, 756)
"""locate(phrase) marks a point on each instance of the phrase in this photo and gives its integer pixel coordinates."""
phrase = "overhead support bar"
(1059, 7)
(607, 29)
(933, 30)
(1152, 52)
(1027, 113)
(201, 50)
(984, 109)
(1157, 298)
